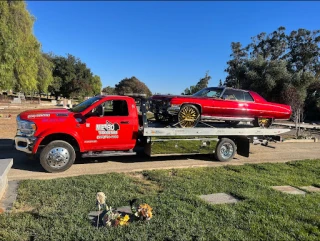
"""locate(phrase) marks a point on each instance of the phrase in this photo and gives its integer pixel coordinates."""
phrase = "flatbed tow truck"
(111, 126)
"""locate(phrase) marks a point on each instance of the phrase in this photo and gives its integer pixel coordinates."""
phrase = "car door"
(111, 131)
(234, 103)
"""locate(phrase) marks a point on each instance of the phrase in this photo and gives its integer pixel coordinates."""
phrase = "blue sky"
(167, 45)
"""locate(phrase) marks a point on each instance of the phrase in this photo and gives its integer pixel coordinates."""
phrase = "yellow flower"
(145, 211)
(126, 218)
(123, 220)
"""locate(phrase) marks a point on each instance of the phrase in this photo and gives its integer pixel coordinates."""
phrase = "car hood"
(44, 113)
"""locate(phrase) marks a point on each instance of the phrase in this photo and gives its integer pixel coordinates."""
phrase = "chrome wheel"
(188, 116)
(58, 157)
(226, 150)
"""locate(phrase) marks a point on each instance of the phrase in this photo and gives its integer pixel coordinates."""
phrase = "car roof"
(231, 88)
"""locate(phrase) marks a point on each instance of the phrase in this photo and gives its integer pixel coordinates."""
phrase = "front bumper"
(25, 144)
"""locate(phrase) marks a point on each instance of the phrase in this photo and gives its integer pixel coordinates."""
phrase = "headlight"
(174, 105)
(27, 128)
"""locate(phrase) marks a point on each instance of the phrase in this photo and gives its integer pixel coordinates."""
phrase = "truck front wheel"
(57, 156)
(225, 150)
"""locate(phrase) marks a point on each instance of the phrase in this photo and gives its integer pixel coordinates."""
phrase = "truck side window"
(116, 108)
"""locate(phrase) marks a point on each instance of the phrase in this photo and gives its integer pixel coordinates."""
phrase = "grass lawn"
(57, 209)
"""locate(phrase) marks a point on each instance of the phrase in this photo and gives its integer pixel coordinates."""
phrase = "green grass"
(57, 209)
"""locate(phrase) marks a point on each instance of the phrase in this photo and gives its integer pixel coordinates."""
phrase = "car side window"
(238, 95)
(247, 96)
(115, 108)
(230, 94)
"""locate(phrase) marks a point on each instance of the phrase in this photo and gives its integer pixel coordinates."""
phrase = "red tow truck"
(111, 125)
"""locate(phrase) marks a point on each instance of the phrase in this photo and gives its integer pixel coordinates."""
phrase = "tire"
(225, 150)
(232, 123)
(262, 122)
(188, 116)
(57, 156)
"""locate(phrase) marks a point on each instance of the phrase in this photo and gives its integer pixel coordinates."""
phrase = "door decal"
(108, 130)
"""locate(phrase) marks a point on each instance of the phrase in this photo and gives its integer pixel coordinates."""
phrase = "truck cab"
(99, 124)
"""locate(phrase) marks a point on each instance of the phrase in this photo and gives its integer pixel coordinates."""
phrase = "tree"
(269, 47)
(132, 85)
(96, 85)
(44, 77)
(266, 77)
(202, 83)
(304, 51)
(220, 83)
(72, 78)
(19, 49)
(109, 90)
(313, 101)
(236, 66)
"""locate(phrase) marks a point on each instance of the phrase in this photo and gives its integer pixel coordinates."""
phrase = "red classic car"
(218, 103)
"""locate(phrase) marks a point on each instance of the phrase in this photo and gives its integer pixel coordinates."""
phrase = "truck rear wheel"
(57, 156)
(225, 150)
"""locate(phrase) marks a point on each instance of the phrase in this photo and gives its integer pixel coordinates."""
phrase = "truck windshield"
(85, 104)
(209, 92)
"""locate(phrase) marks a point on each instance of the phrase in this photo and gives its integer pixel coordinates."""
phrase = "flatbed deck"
(221, 131)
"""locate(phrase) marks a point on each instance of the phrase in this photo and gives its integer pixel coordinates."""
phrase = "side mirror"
(100, 110)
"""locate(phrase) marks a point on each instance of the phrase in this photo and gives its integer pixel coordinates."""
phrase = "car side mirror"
(100, 110)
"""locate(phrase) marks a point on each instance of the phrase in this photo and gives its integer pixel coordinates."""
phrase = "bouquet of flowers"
(111, 217)
(141, 211)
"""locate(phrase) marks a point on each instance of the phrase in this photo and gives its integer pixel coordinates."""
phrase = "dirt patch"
(23, 209)
(8, 127)
(144, 185)
(8, 124)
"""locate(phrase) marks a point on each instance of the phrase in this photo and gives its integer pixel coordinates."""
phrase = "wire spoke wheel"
(264, 122)
(188, 116)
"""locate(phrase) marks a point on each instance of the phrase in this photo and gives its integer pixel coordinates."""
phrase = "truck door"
(111, 131)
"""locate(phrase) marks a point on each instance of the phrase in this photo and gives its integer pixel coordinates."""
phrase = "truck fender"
(46, 133)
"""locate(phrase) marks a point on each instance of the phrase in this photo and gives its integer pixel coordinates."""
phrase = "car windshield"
(209, 92)
(85, 104)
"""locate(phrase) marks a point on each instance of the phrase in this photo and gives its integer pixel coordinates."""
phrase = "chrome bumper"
(24, 144)
(173, 110)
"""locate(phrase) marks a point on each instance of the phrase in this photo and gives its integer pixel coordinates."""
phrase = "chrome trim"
(173, 110)
(29, 142)
(246, 109)
(205, 117)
